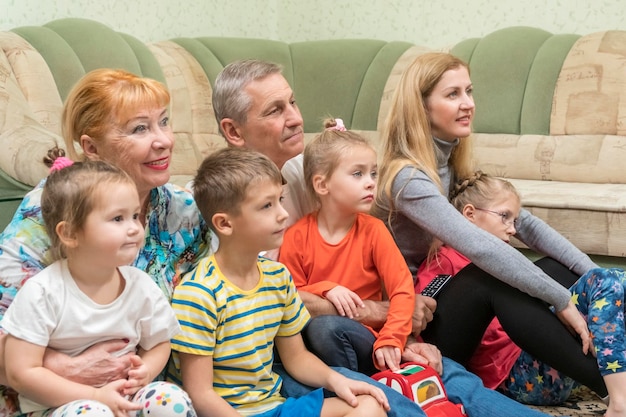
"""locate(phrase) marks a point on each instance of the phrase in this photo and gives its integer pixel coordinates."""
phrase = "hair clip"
(339, 126)
(60, 163)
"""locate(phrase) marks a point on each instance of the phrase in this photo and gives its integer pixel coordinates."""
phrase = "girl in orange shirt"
(340, 257)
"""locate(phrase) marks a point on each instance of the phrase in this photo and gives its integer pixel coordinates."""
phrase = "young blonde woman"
(426, 149)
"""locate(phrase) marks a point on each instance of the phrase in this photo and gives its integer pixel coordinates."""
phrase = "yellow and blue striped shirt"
(237, 328)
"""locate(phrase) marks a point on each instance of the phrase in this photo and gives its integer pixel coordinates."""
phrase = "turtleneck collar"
(443, 150)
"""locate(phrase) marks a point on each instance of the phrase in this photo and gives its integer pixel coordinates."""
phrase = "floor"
(582, 403)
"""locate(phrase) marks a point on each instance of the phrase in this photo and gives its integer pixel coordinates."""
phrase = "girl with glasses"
(493, 204)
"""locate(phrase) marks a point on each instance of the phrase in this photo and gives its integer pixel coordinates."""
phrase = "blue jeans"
(461, 386)
(342, 342)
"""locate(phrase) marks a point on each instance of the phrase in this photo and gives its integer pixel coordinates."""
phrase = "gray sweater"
(422, 213)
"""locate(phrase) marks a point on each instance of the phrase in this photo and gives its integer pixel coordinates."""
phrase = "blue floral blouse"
(176, 237)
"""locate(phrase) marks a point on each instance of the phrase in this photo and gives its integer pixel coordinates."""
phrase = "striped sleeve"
(295, 315)
(196, 310)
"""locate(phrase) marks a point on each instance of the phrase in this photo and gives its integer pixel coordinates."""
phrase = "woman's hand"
(423, 313)
(95, 366)
(576, 324)
(346, 302)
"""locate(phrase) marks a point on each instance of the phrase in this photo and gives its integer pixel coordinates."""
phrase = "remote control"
(434, 286)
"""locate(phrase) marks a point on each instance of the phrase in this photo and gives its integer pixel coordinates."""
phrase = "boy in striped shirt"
(235, 307)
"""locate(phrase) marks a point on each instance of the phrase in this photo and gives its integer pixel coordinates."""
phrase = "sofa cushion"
(574, 183)
(30, 112)
(70, 54)
(590, 93)
(340, 78)
(569, 158)
(514, 71)
(392, 82)
(592, 216)
(191, 110)
(350, 74)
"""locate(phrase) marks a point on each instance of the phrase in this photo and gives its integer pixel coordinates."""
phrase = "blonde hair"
(224, 177)
(407, 136)
(104, 97)
(69, 195)
(479, 190)
(321, 156)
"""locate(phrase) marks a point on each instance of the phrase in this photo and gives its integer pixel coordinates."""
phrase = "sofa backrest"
(336, 77)
(549, 107)
(40, 64)
(514, 73)
(340, 78)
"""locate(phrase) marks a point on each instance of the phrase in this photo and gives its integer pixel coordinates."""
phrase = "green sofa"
(551, 115)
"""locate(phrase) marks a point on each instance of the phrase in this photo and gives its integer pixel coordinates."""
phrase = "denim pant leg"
(461, 386)
(466, 388)
(290, 387)
(340, 341)
(401, 406)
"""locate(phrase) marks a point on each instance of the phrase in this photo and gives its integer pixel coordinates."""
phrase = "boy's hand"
(347, 389)
(387, 357)
(423, 353)
(111, 395)
(346, 302)
(137, 376)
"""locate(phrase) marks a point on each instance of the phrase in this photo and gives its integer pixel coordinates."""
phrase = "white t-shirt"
(50, 310)
(296, 200)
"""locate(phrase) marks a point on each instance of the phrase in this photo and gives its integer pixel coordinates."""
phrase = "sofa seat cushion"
(591, 216)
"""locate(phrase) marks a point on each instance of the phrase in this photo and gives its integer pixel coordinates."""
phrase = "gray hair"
(229, 98)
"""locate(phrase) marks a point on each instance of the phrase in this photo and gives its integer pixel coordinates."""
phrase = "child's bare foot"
(616, 386)
(616, 408)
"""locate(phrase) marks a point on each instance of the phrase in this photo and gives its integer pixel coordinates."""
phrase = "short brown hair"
(224, 177)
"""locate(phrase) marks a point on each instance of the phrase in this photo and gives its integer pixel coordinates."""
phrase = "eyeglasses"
(507, 218)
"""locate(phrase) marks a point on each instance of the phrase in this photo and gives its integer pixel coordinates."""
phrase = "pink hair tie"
(339, 126)
(60, 163)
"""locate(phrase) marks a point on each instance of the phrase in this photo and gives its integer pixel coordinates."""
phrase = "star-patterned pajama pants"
(599, 296)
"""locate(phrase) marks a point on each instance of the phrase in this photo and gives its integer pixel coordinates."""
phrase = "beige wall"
(424, 22)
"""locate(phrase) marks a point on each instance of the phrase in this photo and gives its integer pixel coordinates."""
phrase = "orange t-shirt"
(364, 260)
